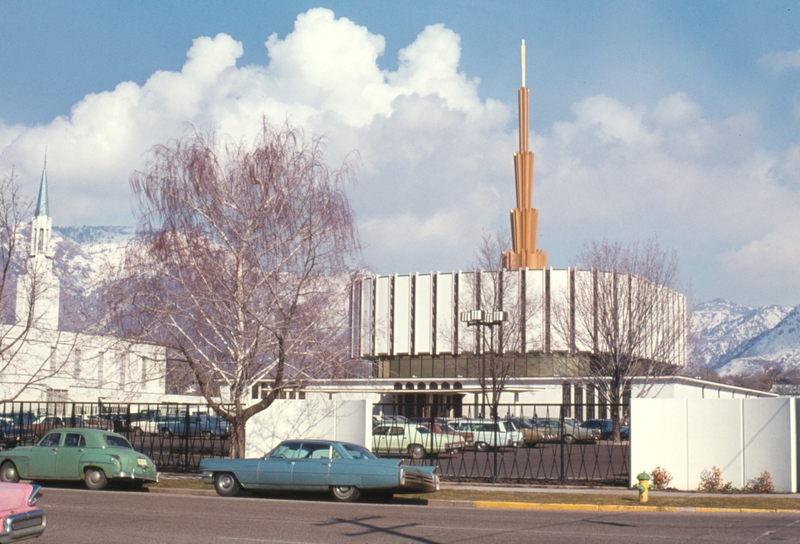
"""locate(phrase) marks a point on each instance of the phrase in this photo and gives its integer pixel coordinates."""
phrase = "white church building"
(41, 362)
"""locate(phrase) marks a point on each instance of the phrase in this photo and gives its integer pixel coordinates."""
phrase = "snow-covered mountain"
(734, 338)
(82, 254)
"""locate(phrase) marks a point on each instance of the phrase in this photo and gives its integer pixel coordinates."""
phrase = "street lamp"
(483, 319)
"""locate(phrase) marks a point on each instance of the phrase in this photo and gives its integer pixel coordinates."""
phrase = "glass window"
(51, 440)
(315, 450)
(117, 441)
(74, 440)
(285, 450)
(358, 452)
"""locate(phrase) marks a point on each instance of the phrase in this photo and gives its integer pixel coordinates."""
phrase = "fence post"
(561, 445)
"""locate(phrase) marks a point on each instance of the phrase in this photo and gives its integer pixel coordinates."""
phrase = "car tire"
(95, 479)
(481, 446)
(345, 493)
(569, 439)
(166, 433)
(207, 434)
(137, 431)
(8, 472)
(415, 451)
(226, 484)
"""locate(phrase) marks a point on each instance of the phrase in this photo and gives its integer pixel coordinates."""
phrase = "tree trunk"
(237, 439)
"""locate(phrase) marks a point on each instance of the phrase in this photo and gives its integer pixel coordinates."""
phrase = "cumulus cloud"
(435, 160)
(778, 61)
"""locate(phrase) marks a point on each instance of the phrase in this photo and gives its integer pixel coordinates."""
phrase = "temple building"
(41, 362)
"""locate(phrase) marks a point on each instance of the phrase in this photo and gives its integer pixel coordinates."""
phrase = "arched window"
(421, 385)
(457, 385)
(445, 385)
(434, 385)
(398, 385)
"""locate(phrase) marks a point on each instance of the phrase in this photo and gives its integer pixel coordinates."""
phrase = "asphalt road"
(87, 517)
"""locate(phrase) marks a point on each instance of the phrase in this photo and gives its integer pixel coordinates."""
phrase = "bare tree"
(27, 287)
(624, 321)
(240, 265)
(500, 309)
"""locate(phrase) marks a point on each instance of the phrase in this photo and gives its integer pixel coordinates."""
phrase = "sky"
(676, 120)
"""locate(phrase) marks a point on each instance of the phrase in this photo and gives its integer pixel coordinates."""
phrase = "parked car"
(442, 426)
(570, 434)
(531, 434)
(489, 433)
(91, 455)
(606, 428)
(41, 426)
(415, 440)
(20, 519)
(11, 435)
(196, 425)
(345, 470)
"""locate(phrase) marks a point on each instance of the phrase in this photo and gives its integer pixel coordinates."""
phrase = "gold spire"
(524, 218)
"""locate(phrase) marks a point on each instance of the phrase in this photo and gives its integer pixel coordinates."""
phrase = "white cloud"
(436, 160)
(778, 61)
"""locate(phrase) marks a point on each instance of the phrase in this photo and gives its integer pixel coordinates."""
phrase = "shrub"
(711, 480)
(761, 484)
(660, 478)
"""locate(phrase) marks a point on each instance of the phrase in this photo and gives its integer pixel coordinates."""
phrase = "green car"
(91, 455)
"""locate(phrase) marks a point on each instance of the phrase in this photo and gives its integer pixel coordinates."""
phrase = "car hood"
(13, 496)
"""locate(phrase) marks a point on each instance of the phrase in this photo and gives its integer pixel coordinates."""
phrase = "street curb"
(622, 508)
(508, 505)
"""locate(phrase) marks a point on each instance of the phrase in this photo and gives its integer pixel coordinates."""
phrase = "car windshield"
(358, 452)
(117, 442)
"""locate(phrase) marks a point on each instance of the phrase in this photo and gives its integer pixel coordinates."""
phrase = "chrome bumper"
(207, 476)
(425, 483)
(22, 526)
(136, 476)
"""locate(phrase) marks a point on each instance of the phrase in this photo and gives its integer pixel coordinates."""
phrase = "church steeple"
(42, 207)
(524, 217)
(41, 225)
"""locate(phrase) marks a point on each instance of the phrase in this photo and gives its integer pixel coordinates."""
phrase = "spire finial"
(523, 63)
(45, 157)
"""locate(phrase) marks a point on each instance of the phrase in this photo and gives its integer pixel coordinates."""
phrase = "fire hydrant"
(644, 486)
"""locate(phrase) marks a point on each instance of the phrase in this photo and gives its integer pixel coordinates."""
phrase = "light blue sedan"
(343, 469)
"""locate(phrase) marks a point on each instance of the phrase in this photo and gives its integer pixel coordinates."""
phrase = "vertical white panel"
(512, 305)
(367, 302)
(659, 438)
(382, 316)
(402, 315)
(423, 333)
(768, 441)
(715, 437)
(534, 310)
(584, 316)
(466, 303)
(559, 298)
(445, 325)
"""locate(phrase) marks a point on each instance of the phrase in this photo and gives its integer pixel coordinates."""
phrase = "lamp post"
(483, 319)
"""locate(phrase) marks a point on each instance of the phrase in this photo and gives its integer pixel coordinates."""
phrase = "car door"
(44, 456)
(275, 470)
(312, 466)
(68, 456)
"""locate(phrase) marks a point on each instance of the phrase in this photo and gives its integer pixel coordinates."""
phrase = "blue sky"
(679, 120)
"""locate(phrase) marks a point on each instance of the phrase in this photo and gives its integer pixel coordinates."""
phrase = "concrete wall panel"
(423, 314)
(445, 317)
(402, 315)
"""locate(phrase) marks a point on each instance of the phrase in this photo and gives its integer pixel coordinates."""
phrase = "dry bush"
(761, 484)
(711, 480)
(660, 478)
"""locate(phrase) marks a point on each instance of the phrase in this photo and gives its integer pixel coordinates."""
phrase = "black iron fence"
(175, 436)
(563, 443)
(514, 443)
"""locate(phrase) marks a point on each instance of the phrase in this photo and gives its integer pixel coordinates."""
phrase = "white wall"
(318, 417)
(743, 437)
